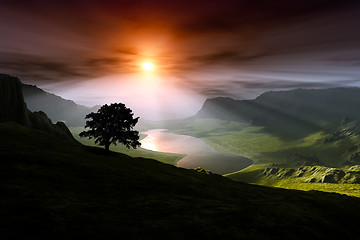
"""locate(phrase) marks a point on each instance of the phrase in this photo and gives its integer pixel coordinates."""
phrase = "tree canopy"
(111, 124)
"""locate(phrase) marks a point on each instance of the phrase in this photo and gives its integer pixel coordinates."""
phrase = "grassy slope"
(253, 175)
(170, 158)
(52, 189)
(264, 149)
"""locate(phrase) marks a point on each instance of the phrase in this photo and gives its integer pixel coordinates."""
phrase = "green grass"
(261, 146)
(253, 175)
(170, 158)
(54, 189)
(249, 174)
(265, 149)
(348, 189)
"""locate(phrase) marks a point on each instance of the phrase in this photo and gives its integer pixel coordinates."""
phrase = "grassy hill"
(164, 157)
(344, 180)
(331, 148)
(55, 189)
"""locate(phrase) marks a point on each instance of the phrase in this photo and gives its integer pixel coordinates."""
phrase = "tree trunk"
(107, 145)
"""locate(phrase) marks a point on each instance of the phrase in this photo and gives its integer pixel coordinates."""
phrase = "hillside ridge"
(289, 114)
(56, 107)
(69, 191)
(13, 108)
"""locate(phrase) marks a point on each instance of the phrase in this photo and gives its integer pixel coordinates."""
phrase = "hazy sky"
(91, 51)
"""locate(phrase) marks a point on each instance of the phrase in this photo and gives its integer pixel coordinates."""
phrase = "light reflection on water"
(173, 143)
(199, 154)
(149, 143)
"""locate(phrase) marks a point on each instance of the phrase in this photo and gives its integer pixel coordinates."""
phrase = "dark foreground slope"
(54, 189)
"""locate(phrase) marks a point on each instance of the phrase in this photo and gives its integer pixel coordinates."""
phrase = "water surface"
(199, 154)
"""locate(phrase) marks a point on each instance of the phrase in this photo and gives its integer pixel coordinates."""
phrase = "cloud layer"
(235, 47)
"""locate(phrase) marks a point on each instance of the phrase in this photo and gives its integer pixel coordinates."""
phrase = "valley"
(179, 120)
(55, 187)
(240, 132)
(71, 191)
(327, 149)
(198, 153)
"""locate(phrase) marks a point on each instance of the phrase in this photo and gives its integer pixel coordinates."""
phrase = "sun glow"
(148, 66)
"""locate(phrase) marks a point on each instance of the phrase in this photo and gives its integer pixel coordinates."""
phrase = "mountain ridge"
(56, 107)
(281, 112)
(14, 109)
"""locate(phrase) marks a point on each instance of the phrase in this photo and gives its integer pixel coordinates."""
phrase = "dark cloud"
(248, 17)
(225, 57)
(208, 25)
(259, 84)
(103, 61)
(127, 51)
(46, 68)
(106, 65)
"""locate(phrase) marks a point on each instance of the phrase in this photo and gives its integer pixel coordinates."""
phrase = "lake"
(199, 154)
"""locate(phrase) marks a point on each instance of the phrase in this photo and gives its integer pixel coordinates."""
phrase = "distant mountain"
(284, 111)
(57, 108)
(325, 107)
(13, 109)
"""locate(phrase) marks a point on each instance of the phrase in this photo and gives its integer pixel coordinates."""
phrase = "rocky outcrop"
(314, 174)
(14, 109)
(354, 159)
(39, 120)
(339, 135)
(12, 105)
(333, 175)
(201, 170)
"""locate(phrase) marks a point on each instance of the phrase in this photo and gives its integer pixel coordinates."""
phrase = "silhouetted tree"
(110, 124)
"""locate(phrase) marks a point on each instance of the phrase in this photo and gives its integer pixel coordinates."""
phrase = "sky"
(92, 51)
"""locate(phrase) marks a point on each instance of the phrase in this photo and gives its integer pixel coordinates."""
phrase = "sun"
(147, 66)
